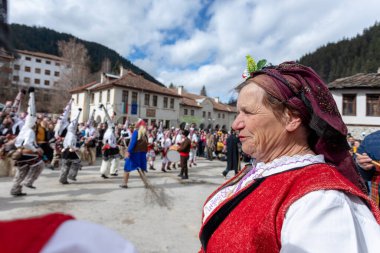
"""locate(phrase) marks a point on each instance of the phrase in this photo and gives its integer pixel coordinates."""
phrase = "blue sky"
(202, 42)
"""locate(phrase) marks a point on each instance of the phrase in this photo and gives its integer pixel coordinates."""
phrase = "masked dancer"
(29, 159)
(90, 137)
(110, 150)
(71, 161)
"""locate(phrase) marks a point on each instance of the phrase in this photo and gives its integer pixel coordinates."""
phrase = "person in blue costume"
(135, 157)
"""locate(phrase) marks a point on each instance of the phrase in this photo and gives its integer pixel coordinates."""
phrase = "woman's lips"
(241, 137)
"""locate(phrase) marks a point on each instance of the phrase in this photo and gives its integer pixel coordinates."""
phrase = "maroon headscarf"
(302, 89)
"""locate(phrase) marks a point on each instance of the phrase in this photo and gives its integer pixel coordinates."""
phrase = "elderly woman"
(304, 194)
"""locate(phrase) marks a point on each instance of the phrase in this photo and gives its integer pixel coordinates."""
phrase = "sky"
(202, 42)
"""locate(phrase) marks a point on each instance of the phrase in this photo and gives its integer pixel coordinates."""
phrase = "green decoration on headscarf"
(252, 66)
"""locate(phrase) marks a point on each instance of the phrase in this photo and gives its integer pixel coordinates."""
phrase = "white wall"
(360, 118)
(33, 64)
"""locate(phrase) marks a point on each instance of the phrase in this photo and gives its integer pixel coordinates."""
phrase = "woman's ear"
(293, 122)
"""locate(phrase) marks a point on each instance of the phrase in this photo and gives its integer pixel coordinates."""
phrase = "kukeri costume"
(29, 159)
(71, 161)
(90, 137)
(111, 154)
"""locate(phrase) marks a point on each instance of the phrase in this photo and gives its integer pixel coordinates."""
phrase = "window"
(192, 113)
(48, 62)
(134, 97)
(165, 102)
(77, 99)
(16, 78)
(38, 60)
(373, 105)
(37, 81)
(28, 58)
(27, 69)
(57, 64)
(37, 70)
(185, 111)
(47, 82)
(209, 115)
(100, 97)
(349, 104)
(16, 67)
(108, 96)
(204, 114)
(124, 99)
(172, 103)
(223, 116)
(26, 80)
(92, 98)
(146, 99)
(155, 100)
(56, 73)
(219, 115)
(47, 72)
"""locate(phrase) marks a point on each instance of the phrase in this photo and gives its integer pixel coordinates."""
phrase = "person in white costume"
(29, 159)
(111, 154)
(71, 162)
(90, 137)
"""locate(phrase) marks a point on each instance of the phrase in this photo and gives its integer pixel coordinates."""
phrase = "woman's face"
(260, 132)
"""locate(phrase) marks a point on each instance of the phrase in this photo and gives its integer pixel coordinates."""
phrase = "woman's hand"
(364, 161)
(126, 155)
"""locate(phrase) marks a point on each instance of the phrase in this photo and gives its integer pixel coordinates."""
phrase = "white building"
(205, 112)
(38, 70)
(358, 101)
(128, 95)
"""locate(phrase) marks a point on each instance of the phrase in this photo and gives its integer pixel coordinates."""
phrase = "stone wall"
(359, 132)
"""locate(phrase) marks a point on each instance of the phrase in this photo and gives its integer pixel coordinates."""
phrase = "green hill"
(40, 39)
(347, 57)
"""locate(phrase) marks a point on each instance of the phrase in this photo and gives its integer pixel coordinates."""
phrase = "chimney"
(123, 71)
(216, 99)
(180, 90)
(103, 78)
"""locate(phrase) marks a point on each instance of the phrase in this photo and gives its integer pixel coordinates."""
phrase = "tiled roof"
(361, 80)
(137, 82)
(190, 102)
(82, 88)
(190, 98)
(42, 55)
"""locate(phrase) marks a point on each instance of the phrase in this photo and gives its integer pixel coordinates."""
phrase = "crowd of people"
(301, 192)
(65, 144)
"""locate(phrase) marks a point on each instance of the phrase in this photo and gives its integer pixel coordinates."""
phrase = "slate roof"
(358, 81)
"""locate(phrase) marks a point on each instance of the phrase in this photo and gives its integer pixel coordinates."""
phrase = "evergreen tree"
(203, 91)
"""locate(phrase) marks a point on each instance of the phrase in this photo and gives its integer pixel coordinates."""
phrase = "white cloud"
(213, 55)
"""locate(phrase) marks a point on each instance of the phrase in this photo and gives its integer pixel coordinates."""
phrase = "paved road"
(169, 223)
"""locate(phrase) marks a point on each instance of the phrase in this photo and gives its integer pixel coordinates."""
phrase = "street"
(166, 219)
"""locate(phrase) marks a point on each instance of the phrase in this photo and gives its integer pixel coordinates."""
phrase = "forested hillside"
(45, 40)
(348, 56)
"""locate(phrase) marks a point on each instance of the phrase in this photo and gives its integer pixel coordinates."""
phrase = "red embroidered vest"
(29, 235)
(254, 225)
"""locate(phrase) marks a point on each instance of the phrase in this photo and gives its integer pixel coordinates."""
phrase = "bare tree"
(78, 60)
